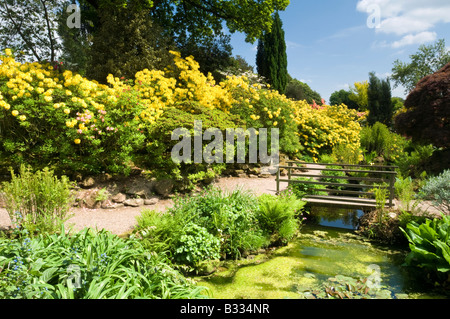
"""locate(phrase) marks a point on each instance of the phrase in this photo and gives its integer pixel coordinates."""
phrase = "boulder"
(151, 201)
(88, 182)
(139, 188)
(108, 204)
(164, 187)
(134, 202)
(119, 198)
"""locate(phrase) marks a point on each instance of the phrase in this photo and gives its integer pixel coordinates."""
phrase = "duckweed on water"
(320, 263)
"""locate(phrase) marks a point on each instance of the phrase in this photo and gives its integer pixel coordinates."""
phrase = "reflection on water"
(332, 217)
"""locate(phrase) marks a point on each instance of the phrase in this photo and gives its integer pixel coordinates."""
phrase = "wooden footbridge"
(353, 192)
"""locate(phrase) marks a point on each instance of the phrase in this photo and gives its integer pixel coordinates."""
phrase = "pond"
(327, 256)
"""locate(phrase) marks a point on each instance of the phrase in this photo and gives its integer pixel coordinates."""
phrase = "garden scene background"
(91, 93)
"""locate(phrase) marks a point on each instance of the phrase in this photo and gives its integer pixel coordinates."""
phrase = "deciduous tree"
(427, 116)
(426, 61)
(30, 27)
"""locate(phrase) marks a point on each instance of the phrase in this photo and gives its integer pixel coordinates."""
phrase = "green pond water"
(325, 254)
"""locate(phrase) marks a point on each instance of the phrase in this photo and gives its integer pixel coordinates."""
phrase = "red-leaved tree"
(427, 116)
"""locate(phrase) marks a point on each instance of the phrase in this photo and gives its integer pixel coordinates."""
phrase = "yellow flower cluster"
(326, 127)
(83, 105)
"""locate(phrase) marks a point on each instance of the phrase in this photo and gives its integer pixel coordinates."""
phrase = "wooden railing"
(354, 193)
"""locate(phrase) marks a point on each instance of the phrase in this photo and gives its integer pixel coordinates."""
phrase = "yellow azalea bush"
(53, 117)
(321, 128)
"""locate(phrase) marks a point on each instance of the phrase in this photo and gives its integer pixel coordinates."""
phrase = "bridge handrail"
(390, 172)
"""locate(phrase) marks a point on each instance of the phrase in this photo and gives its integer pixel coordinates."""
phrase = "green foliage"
(412, 161)
(37, 201)
(216, 224)
(44, 139)
(278, 216)
(437, 189)
(111, 52)
(160, 143)
(344, 287)
(87, 265)
(345, 154)
(379, 139)
(381, 193)
(264, 107)
(430, 245)
(359, 95)
(332, 179)
(196, 245)
(379, 101)
(228, 216)
(343, 97)
(299, 91)
(404, 190)
(271, 61)
(197, 20)
(427, 60)
(300, 189)
(159, 231)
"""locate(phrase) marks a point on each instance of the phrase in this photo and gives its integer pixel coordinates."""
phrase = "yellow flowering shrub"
(53, 117)
(59, 119)
(321, 128)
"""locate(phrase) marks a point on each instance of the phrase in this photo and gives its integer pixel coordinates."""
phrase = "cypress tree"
(379, 101)
(271, 58)
(387, 108)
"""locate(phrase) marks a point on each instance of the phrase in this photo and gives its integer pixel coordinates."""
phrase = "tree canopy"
(343, 97)
(427, 116)
(197, 19)
(30, 27)
(426, 61)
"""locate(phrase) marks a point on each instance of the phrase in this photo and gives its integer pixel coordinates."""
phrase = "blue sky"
(331, 45)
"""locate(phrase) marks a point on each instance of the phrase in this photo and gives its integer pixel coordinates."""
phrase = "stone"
(90, 202)
(164, 187)
(134, 202)
(88, 182)
(139, 189)
(119, 198)
(108, 204)
(254, 170)
(151, 201)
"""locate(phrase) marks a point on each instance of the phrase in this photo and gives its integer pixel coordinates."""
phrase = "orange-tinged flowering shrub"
(49, 118)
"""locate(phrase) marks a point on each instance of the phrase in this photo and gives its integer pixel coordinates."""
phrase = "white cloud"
(419, 38)
(413, 20)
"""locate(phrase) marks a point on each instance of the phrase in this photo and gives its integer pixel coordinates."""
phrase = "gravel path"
(123, 220)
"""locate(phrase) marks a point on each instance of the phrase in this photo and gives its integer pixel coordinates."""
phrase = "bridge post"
(289, 171)
(278, 180)
(391, 189)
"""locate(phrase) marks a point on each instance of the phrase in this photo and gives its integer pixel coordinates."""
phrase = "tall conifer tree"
(271, 58)
(379, 101)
